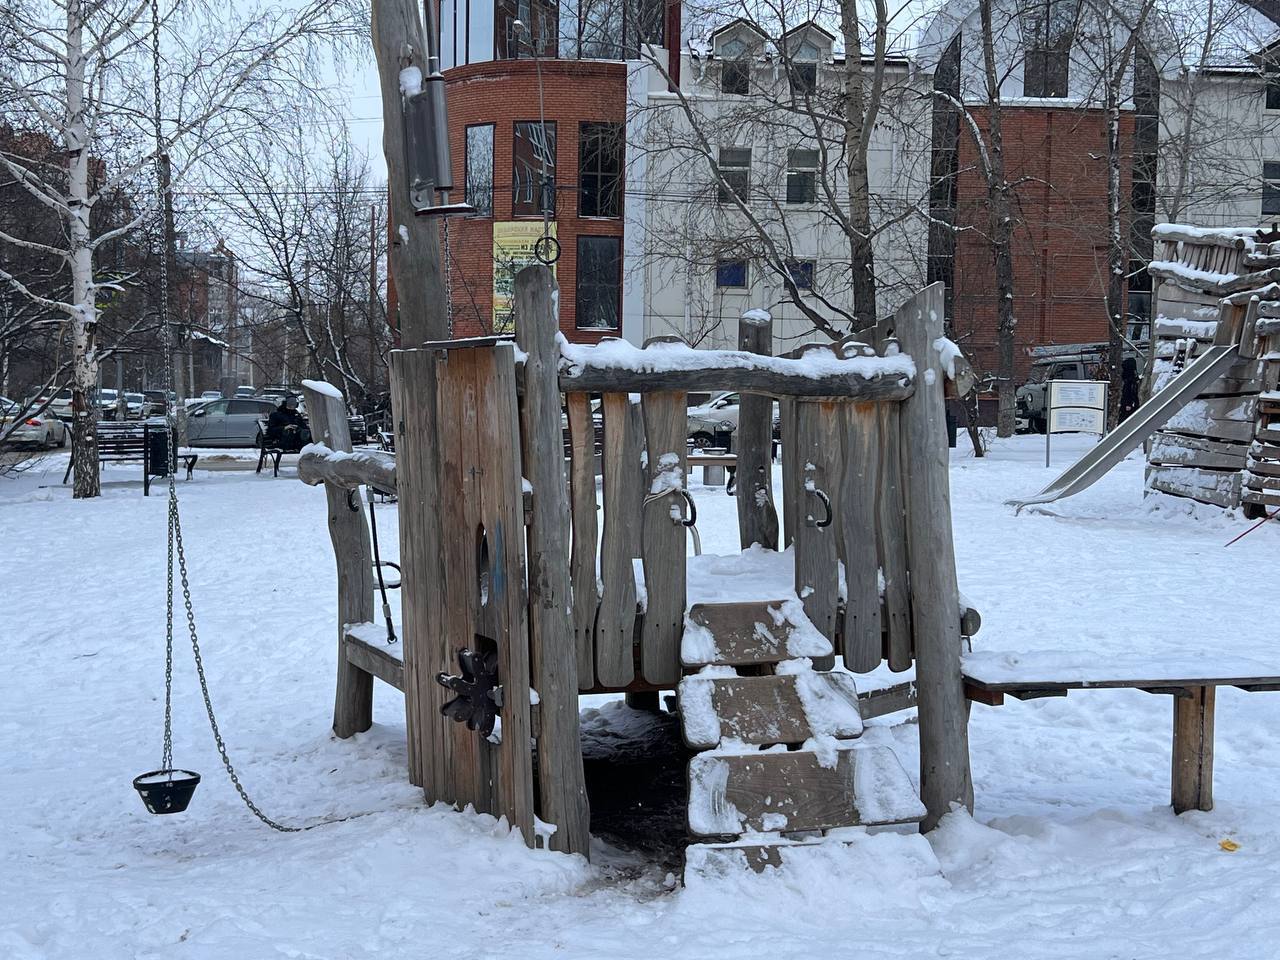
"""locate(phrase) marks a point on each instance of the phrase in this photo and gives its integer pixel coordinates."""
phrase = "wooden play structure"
(1217, 287)
(528, 580)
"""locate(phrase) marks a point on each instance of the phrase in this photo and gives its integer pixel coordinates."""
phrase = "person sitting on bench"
(286, 427)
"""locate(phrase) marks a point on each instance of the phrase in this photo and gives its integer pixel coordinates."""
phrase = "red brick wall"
(502, 93)
(1060, 235)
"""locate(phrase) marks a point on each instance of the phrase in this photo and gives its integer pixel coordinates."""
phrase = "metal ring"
(547, 249)
(393, 566)
(826, 502)
(352, 503)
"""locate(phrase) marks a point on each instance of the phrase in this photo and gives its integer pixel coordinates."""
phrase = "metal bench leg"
(1193, 751)
(262, 458)
(275, 466)
(191, 463)
(71, 462)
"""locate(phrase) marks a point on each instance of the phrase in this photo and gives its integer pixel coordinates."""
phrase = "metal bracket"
(478, 694)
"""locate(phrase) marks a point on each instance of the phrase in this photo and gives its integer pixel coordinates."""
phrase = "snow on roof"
(208, 337)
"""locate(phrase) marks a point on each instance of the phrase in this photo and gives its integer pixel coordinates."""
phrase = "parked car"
(41, 429)
(245, 392)
(1086, 363)
(155, 403)
(60, 406)
(717, 419)
(227, 423)
(137, 405)
(211, 395)
(359, 429)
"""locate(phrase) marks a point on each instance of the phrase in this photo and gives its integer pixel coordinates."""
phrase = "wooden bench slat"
(764, 792)
(787, 708)
(740, 634)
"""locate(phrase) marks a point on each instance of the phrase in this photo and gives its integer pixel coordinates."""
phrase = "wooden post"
(856, 519)
(945, 777)
(582, 562)
(1193, 751)
(757, 517)
(413, 250)
(790, 476)
(421, 570)
(663, 540)
(817, 459)
(615, 620)
(552, 647)
(353, 700)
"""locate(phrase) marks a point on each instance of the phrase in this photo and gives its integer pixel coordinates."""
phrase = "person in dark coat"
(1128, 387)
(287, 428)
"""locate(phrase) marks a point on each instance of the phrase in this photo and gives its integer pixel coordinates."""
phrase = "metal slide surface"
(1142, 423)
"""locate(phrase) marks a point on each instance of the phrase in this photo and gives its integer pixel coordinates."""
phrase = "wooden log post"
(552, 647)
(757, 516)
(422, 571)
(582, 562)
(816, 573)
(1192, 780)
(663, 540)
(856, 520)
(353, 699)
(413, 248)
(945, 776)
(616, 618)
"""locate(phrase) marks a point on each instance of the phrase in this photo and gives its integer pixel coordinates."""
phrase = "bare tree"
(302, 204)
(81, 77)
(821, 204)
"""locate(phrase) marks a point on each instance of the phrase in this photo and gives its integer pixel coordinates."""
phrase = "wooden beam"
(1192, 786)
(348, 470)
(757, 516)
(945, 777)
(349, 534)
(732, 370)
(552, 648)
(374, 660)
(663, 536)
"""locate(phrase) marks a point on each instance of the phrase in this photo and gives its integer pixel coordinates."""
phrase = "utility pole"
(170, 253)
(413, 254)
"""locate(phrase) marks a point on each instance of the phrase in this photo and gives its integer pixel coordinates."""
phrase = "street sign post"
(1075, 406)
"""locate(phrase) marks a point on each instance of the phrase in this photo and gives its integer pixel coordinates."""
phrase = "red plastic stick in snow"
(1271, 516)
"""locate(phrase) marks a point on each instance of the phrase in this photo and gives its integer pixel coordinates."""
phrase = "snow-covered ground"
(1072, 851)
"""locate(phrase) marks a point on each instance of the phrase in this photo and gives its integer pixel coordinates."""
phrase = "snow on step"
(788, 708)
(739, 634)
(721, 859)
(760, 792)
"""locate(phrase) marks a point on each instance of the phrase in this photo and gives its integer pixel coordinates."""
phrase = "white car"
(42, 430)
(717, 417)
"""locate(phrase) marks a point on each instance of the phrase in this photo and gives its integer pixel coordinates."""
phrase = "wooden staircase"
(1262, 474)
(779, 764)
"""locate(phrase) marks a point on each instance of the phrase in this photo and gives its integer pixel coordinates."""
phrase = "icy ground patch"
(1072, 852)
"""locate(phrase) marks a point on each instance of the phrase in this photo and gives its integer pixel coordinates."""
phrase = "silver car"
(227, 423)
(40, 429)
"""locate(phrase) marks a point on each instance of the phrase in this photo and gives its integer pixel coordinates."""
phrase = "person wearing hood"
(287, 427)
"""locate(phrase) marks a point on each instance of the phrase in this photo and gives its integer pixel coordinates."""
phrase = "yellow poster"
(513, 244)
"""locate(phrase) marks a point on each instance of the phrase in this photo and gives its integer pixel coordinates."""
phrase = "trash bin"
(159, 461)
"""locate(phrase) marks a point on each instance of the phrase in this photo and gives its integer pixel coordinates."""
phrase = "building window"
(599, 282)
(600, 147)
(1272, 73)
(802, 176)
(735, 173)
(1271, 187)
(802, 71)
(735, 76)
(541, 19)
(533, 145)
(478, 169)
(801, 273)
(731, 274)
(1048, 28)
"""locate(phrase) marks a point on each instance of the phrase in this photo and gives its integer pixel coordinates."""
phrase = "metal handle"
(692, 519)
(826, 503)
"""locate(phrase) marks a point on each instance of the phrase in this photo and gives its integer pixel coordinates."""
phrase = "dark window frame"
(482, 212)
(737, 70)
(526, 199)
(1270, 188)
(802, 78)
(735, 173)
(802, 272)
(724, 278)
(601, 161)
(585, 287)
(1271, 78)
(802, 180)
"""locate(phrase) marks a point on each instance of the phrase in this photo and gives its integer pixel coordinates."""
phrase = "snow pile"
(618, 354)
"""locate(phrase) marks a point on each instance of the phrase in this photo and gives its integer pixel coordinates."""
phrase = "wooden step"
(736, 793)
(788, 708)
(742, 634)
(719, 859)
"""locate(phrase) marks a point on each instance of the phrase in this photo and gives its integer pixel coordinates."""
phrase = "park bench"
(269, 445)
(122, 442)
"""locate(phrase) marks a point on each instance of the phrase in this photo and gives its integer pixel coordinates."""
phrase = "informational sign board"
(513, 243)
(1075, 406)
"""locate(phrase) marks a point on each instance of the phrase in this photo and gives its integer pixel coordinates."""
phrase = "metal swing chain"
(175, 524)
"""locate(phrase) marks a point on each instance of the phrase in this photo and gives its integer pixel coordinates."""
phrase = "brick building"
(537, 118)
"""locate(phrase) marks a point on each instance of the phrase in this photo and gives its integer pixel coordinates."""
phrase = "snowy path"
(1073, 852)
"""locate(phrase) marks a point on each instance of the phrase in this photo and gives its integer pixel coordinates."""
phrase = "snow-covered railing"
(616, 366)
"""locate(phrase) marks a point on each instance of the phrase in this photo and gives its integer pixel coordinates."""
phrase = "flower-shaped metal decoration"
(478, 696)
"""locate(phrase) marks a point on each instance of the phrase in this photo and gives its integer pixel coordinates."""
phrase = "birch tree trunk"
(84, 370)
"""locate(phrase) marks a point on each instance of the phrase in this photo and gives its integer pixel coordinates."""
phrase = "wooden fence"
(506, 553)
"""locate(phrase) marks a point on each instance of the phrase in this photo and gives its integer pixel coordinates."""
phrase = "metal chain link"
(175, 523)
